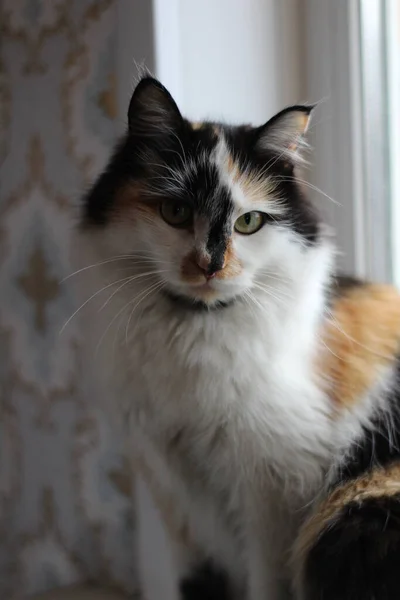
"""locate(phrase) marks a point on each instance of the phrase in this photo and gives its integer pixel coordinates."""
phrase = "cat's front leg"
(156, 562)
(266, 535)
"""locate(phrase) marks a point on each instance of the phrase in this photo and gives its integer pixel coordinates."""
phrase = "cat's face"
(215, 208)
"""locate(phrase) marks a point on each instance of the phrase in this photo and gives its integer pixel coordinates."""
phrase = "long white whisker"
(261, 307)
(271, 294)
(248, 298)
(130, 257)
(89, 299)
(133, 278)
(116, 317)
(275, 275)
(275, 291)
(155, 287)
(309, 185)
(111, 322)
(103, 262)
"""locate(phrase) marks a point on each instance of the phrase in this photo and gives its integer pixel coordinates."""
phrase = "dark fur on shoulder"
(357, 557)
(349, 549)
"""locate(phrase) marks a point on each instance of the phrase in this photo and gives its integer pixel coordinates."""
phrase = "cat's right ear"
(152, 110)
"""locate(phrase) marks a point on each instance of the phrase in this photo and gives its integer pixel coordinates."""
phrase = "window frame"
(350, 163)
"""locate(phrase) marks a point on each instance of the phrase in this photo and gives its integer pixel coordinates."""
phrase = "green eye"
(249, 222)
(176, 214)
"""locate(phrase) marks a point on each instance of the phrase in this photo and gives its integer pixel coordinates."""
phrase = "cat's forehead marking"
(250, 188)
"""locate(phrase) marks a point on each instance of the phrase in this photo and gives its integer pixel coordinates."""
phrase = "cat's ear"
(284, 134)
(152, 110)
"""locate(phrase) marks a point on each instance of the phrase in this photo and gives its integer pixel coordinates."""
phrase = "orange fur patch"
(362, 337)
(232, 265)
(129, 203)
(376, 484)
(256, 188)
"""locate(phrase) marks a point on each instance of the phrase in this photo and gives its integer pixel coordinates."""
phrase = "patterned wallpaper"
(65, 494)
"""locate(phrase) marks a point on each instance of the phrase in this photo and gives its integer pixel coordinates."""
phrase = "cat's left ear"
(152, 110)
(285, 132)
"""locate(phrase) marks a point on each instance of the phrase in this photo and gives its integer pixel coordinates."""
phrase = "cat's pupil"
(247, 218)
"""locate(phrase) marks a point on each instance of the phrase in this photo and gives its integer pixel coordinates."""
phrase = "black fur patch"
(358, 558)
(195, 305)
(380, 442)
(344, 283)
(207, 582)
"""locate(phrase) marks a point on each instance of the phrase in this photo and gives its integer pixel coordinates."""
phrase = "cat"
(242, 370)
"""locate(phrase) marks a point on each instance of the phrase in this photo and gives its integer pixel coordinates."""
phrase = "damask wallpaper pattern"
(65, 493)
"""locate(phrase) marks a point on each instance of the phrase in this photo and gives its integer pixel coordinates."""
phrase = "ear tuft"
(152, 110)
(284, 133)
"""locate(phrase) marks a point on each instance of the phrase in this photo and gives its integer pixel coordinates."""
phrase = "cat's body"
(216, 427)
(223, 367)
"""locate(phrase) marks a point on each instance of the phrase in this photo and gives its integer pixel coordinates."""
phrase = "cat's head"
(213, 208)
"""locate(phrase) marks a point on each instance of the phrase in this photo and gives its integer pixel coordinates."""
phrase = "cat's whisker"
(116, 317)
(130, 257)
(98, 264)
(251, 298)
(275, 275)
(273, 295)
(156, 287)
(256, 302)
(311, 186)
(119, 328)
(276, 291)
(130, 280)
(106, 287)
(248, 303)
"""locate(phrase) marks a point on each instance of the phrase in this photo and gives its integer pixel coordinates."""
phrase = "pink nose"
(203, 261)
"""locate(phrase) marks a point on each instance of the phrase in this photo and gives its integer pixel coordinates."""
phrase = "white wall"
(240, 60)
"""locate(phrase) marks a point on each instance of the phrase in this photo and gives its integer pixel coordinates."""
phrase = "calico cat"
(245, 374)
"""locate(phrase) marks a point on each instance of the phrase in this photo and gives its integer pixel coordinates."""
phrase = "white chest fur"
(218, 401)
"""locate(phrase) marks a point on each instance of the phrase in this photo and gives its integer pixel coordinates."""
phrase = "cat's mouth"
(201, 294)
(205, 291)
(203, 288)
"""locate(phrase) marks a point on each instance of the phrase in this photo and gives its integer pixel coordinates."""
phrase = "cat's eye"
(249, 222)
(176, 214)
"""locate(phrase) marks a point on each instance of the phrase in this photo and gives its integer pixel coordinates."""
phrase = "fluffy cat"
(244, 372)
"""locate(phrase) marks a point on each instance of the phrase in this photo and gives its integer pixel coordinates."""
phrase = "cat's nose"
(209, 270)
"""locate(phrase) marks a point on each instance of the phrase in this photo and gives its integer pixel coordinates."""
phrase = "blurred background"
(67, 70)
